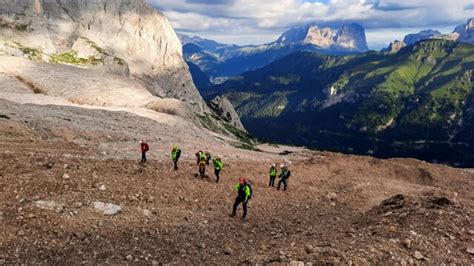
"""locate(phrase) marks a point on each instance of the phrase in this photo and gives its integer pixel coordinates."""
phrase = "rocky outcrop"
(351, 37)
(422, 35)
(394, 47)
(319, 37)
(116, 36)
(224, 108)
(466, 31)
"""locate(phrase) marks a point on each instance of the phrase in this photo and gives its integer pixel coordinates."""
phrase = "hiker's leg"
(236, 204)
(244, 206)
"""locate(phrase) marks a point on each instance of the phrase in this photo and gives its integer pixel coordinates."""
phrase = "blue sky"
(261, 21)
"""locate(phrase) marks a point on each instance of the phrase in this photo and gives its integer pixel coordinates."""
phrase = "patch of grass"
(245, 146)
(207, 122)
(72, 58)
(95, 46)
(241, 135)
(32, 53)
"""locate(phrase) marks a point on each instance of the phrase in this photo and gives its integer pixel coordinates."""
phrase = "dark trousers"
(202, 170)
(175, 165)
(217, 172)
(239, 200)
(143, 156)
(272, 181)
(285, 183)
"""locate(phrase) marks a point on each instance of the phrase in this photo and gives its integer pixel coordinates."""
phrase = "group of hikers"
(243, 187)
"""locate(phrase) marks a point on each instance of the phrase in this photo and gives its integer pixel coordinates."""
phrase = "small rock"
(77, 205)
(129, 257)
(107, 208)
(66, 176)
(146, 212)
(309, 249)
(470, 250)
(102, 188)
(228, 251)
(417, 255)
(49, 205)
(471, 232)
(296, 263)
(407, 243)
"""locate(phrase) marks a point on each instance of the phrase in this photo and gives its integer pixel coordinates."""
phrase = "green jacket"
(273, 171)
(175, 154)
(218, 165)
(243, 191)
(284, 174)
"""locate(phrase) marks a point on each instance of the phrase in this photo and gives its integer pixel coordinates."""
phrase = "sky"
(261, 21)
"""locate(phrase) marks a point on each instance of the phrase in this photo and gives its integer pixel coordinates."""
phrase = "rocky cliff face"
(123, 37)
(394, 47)
(351, 37)
(466, 31)
(319, 37)
(224, 108)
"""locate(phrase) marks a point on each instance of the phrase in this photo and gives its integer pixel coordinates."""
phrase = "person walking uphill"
(218, 165)
(284, 175)
(244, 193)
(273, 175)
(144, 148)
(201, 162)
(175, 154)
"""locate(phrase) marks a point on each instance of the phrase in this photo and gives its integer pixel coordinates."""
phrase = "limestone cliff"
(121, 36)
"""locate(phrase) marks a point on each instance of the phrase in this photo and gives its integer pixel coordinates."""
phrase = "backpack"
(145, 147)
(251, 192)
(288, 174)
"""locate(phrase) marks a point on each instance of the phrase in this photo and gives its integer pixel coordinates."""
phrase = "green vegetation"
(423, 92)
(72, 58)
(32, 53)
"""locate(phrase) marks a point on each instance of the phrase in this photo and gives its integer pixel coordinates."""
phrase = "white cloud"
(256, 21)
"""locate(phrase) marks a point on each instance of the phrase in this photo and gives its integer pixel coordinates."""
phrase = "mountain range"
(416, 102)
(219, 60)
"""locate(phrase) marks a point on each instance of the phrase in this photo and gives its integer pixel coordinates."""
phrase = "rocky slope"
(60, 165)
(109, 33)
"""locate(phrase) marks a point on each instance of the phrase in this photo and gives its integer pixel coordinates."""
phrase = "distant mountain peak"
(466, 31)
(422, 35)
(350, 37)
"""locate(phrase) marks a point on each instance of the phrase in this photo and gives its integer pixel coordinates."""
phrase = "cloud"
(257, 20)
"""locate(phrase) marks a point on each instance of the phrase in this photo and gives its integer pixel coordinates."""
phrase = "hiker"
(208, 158)
(144, 148)
(201, 162)
(175, 154)
(284, 175)
(273, 174)
(244, 193)
(217, 167)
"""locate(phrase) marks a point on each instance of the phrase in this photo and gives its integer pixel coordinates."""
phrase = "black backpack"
(288, 174)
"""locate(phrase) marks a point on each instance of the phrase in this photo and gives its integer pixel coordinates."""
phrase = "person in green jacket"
(244, 193)
(218, 165)
(175, 154)
(273, 174)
